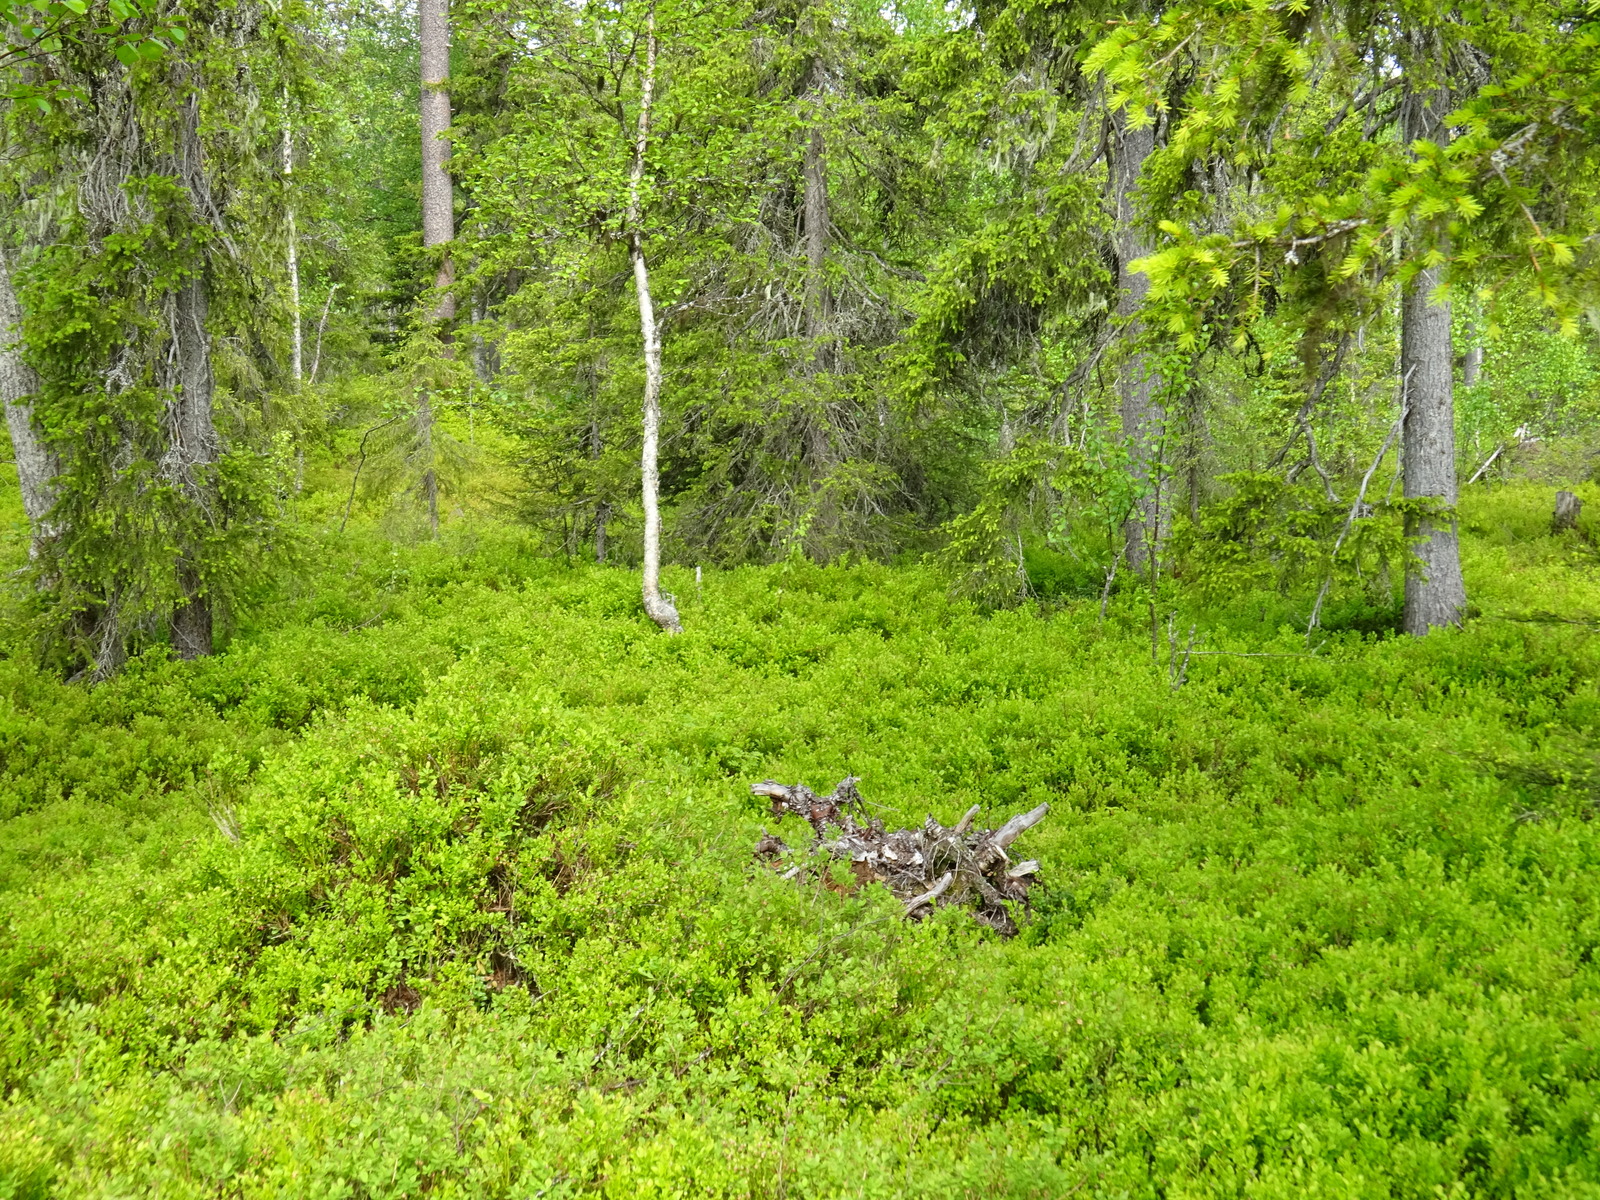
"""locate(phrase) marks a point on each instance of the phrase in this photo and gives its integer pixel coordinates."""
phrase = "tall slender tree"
(659, 607)
(438, 213)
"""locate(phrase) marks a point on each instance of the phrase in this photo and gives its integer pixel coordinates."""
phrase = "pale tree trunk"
(192, 450)
(480, 347)
(296, 336)
(438, 207)
(602, 509)
(1138, 390)
(1435, 592)
(1472, 361)
(659, 607)
(37, 465)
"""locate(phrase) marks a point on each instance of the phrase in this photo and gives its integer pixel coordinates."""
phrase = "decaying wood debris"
(924, 868)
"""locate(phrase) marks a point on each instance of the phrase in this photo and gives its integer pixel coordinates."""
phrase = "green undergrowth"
(439, 881)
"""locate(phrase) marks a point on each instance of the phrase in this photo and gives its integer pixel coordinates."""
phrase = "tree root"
(925, 868)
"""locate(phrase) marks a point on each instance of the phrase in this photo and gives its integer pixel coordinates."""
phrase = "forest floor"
(440, 880)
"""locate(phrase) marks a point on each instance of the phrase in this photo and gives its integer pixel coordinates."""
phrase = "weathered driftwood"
(924, 868)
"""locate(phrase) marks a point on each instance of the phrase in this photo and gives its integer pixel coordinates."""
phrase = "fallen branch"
(924, 868)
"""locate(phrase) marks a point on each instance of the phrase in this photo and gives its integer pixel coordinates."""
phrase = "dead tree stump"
(1568, 506)
(924, 868)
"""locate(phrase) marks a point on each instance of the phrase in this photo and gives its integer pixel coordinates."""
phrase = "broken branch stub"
(925, 868)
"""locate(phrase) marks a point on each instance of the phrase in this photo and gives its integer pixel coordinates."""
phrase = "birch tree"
(659, 607)
(628, 135)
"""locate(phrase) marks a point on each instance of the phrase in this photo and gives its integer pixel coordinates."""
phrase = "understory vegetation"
(438, 880)
(492, 489)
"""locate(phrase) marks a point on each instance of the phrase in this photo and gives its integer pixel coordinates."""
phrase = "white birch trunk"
(659, 607)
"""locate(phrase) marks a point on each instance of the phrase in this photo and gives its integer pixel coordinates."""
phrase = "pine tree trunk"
(1435, 592)
(37, 465)
(438, 196)
(660, 609)
(1138, 391)
(438, 207)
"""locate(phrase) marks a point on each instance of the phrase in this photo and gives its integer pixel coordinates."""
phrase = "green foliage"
(131, 31)
(1266, 535)
(133, 185)
(440, 882)
(438, 878)
(792, 419)
(1343, 205)
(1074, 498)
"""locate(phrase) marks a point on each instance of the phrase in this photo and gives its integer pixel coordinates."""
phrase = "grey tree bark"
(37, 465)
(1568, 509)
(192, 445)
(438, 207)
(1138, 390)
(659, 607)
(192, 449)
(481, 366)
(1435, 592)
